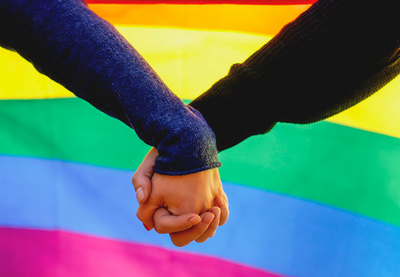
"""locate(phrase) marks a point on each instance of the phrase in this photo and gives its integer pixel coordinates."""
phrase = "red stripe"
(204, 2)
(59, 253)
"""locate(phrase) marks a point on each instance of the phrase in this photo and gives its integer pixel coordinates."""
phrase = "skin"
(188, 207)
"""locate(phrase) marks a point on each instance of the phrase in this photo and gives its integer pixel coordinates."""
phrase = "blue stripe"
(270, 231)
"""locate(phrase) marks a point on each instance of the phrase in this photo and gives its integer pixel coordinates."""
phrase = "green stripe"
(67, 129)
(348, 168)
(324, 162)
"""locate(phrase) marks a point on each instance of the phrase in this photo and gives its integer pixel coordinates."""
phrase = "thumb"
(141, 180)
(142, 184)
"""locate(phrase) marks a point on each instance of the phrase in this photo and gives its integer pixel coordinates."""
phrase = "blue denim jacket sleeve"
(66, 41)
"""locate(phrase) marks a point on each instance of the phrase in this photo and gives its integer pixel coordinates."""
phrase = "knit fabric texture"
(331, 57)
(66, 41)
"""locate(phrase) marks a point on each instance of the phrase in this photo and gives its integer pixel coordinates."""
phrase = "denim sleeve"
(66, 41)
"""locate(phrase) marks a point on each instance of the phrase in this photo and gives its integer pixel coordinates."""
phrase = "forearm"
(67, 42)
(333, 56)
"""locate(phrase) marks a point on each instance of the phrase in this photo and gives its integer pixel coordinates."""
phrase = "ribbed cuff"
(189, 147)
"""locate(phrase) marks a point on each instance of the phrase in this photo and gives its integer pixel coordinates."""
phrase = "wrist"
(189, 148)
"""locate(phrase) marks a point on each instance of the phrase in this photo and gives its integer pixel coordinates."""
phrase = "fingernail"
(194, 220)
(208, 218)
(139, 194)
(147, 228)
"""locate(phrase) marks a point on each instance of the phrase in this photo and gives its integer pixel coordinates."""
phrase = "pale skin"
(188, 207)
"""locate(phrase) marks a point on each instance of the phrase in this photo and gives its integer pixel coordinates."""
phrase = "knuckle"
(225, 197)
(140, 216)
(134, 176)
(179, 243)
(160, 228)
(135, 179)
(212, 235)
(201, 240)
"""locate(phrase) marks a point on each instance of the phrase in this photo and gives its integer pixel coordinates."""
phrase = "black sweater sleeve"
(331, 57)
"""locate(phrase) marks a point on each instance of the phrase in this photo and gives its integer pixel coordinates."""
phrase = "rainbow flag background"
(305, 200)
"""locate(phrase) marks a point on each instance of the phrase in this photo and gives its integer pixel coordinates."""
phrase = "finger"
(142, 185)
(141, 180)
(210, 232)
(185, 237)
(165, 222)
(145, 214)
(222, 203)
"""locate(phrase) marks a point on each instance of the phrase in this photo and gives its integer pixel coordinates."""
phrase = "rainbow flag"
(305, 200)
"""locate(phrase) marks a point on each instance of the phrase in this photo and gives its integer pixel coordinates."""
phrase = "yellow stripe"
(379, 113)
(190, 62)
(19, 80)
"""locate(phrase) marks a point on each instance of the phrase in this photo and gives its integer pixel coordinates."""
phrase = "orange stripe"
(267, 20)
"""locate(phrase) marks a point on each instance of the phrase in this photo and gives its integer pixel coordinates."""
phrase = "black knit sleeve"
(331, 57)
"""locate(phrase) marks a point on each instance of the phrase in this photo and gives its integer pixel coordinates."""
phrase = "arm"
(67, 42)
(318, 65)
(331, 57)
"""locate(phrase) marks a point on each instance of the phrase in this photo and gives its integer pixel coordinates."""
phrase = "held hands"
(188, 207)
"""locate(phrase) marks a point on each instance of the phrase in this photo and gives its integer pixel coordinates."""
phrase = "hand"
(174, 202)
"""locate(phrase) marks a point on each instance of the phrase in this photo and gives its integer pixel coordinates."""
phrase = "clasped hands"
(188, 207)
